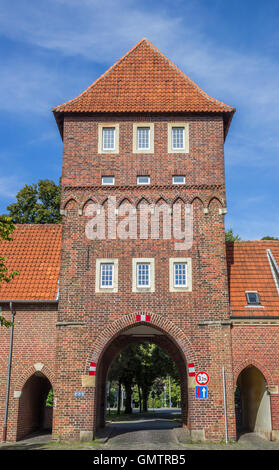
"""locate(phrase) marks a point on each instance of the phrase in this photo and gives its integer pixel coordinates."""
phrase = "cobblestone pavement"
(157, 431)
(163, 434)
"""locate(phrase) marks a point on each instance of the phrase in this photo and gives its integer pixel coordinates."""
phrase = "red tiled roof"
(144, 80)
(249, 270)
(35, 252)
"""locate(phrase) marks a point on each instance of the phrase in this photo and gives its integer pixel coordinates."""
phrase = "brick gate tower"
(143, 138)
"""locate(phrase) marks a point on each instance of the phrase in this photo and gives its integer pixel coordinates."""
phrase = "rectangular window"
(106, 275)
(178, 138)
(143, 275)
(108, 138)
(252, 298)
(143, 179)
(180, 274)
(178, 179)
(107, 180)
(143, 138)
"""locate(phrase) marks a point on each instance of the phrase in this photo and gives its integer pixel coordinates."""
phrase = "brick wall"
(34, 343)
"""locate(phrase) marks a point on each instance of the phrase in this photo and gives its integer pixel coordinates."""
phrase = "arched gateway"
(127, 331)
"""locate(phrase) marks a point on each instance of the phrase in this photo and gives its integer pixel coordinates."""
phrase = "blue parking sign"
(201, 391)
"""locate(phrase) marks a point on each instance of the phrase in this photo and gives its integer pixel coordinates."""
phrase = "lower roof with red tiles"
(34, 251)
(253, 267)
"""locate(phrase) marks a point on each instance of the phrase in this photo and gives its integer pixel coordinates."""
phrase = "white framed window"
(252, 298)
(143, 275)
(143, 179)
(107, 180)
(108, 138)
(143, 137)
(178, 137)
(177, 179)
(180, 274)
(106, 275)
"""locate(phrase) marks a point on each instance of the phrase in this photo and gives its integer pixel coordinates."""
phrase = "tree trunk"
(140, 403)
(128, 390)
(119, 398)
(145, 393)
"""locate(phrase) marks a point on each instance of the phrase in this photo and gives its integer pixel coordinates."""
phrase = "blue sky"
(52, 50)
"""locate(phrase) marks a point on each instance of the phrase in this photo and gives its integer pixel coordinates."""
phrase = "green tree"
(231, 237)
(269, 238)
(6, 229)
(37, 204)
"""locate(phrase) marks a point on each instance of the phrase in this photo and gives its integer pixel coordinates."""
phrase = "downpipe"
(13, 313)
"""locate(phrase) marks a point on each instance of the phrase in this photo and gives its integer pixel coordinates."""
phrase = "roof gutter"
(16, 301)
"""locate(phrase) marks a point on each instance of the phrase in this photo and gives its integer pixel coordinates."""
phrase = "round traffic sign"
(202, 378)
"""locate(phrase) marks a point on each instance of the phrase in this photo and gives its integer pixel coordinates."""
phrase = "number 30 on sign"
(202, 378)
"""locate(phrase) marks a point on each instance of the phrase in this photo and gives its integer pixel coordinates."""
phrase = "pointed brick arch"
(128, 321)
(250, 361)
(32, 370)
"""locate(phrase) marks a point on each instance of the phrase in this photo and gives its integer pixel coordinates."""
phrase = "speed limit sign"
(202, 378)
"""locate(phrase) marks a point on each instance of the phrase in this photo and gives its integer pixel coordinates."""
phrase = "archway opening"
(165, 387)
(35, 406)
(252, 403)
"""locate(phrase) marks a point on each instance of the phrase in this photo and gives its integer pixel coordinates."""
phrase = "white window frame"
(178, 176)
(101, 276)
(177, 288)
(142, 149)
(143, 176)
(138, 125)
(108, 184)
(135, 286)
(101, 127)
(98, 281)
(185, 126)
(186, 274)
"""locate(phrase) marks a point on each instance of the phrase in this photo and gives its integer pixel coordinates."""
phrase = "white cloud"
(9, 186)
(101, 32)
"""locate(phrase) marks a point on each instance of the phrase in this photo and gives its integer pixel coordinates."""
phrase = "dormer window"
(252, 298)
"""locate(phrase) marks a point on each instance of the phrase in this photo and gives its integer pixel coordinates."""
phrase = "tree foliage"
(230, 236)
(269, 238)
(141, 365)
(37, 204)
(6, 229)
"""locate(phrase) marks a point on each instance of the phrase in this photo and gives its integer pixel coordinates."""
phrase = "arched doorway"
(252, 403)
(33, 414)
(138, 334)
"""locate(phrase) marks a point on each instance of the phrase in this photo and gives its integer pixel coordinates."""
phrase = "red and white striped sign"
(142, 317)
(92, 368)
(191, 369)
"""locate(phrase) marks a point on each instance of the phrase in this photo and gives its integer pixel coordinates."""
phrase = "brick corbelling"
(128, 321)
(152, 196)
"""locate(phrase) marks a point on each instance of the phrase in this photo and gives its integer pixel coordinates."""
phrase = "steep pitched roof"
(144, 80)
(250, 269)
(35, 252)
